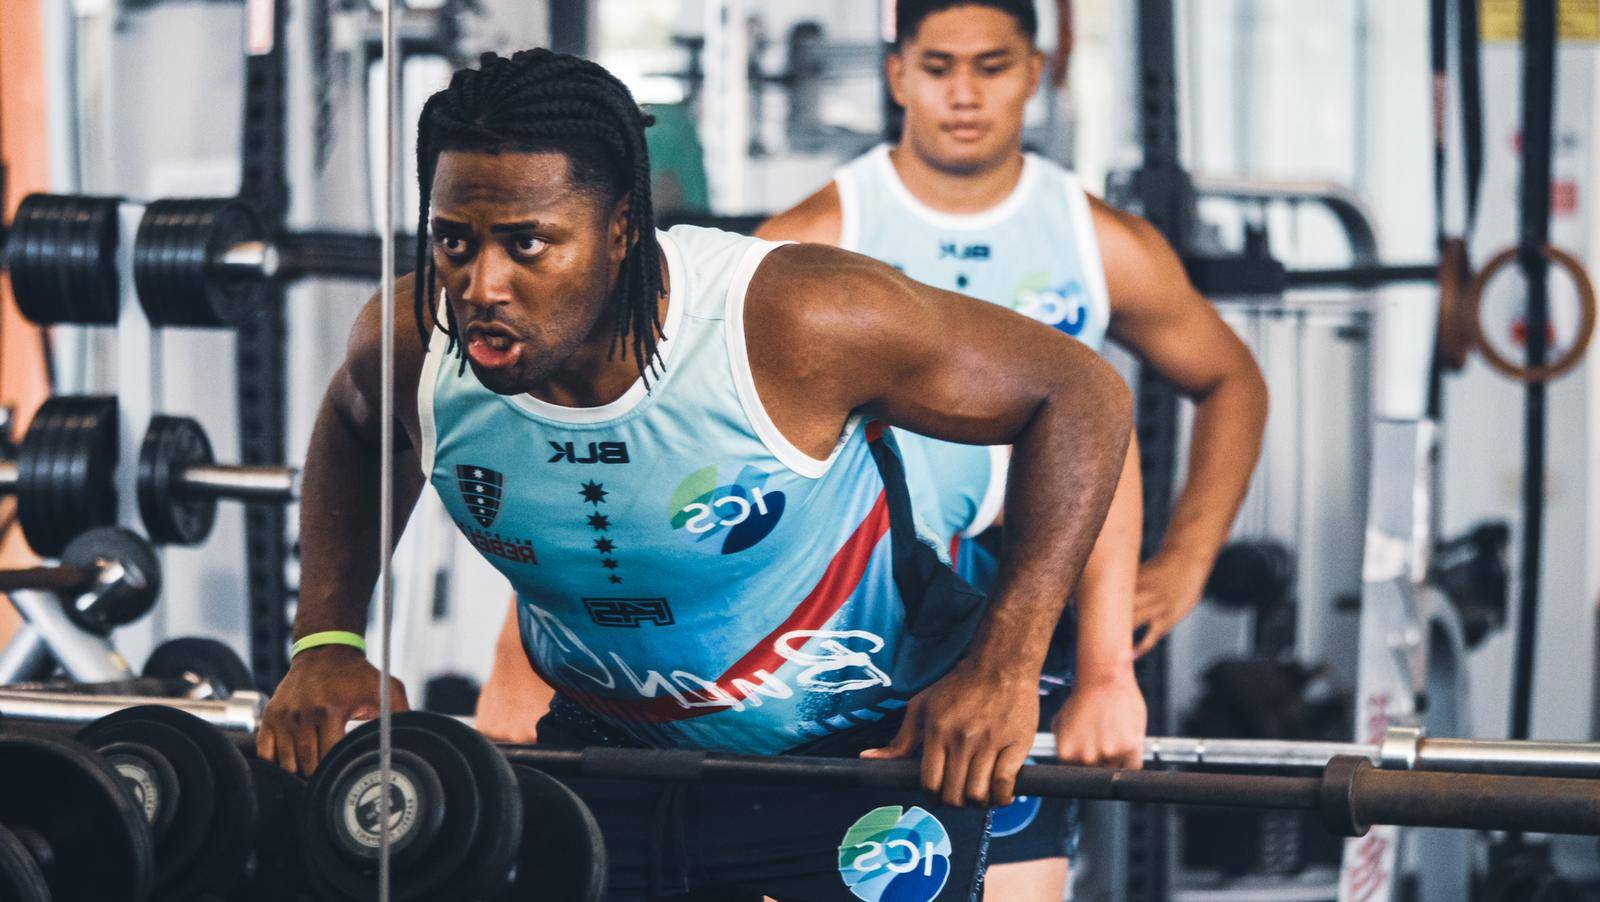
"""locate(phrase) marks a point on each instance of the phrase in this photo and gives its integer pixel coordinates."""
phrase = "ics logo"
(737, 515)
(1061, 305)
(894, 854)
(481, 489)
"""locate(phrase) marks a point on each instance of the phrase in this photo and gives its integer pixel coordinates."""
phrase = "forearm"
(1065, 468)
(339, 524)
(1223, 448)
(1106, 591)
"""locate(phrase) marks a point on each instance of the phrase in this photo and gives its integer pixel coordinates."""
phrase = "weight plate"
(66, 471)
(471, 856)
(134, 595)
(152, 779)
(280, 799)
(225, 821)
(98, 841)
(417, 807)
(562, 854)
(195, 660)
(183, 819)
(174, 250)
(171, 445)
(61, 251)
(20, 877)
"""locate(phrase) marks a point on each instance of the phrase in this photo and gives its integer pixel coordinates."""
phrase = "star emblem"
(477, 474)
(600, 522)
(615, 579)
(604, 546)
(593, 492)
(609, 563)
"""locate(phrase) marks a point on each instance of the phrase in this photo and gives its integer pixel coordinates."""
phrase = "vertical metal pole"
(386, 227)
(1538, 136)
(261, 347)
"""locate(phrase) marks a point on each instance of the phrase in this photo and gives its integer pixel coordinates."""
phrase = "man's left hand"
(1102, 723)
(1169, 588)
(975, 727)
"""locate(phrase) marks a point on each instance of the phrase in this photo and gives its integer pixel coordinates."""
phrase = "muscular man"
(958, 204)
(676, 447)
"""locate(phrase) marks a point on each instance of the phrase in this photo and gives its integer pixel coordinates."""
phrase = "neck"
(966, 191)
(599, 372)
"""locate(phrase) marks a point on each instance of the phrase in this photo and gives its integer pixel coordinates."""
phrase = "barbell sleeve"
(240, 483)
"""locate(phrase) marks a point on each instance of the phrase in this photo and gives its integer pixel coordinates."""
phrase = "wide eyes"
(452, 245)
(527, 245)
(457, 247)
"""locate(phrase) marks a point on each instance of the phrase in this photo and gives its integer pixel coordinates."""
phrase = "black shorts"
(706, 842)
(1033, 828)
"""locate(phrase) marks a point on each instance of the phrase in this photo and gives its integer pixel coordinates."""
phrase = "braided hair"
(541, 101)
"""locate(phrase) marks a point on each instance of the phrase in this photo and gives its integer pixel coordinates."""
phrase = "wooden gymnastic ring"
(1457, 331)
(1586, 321)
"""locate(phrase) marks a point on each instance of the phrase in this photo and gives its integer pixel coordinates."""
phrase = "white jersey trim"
(994, 495)
(427, 381)
(744, 380)
(677, 298)
(1094, 271)
(849, 209)
(879, 158)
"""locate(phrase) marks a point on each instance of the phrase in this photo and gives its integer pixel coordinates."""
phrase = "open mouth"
(493, 346)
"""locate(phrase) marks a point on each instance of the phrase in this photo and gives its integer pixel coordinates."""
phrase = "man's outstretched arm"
(865, 338)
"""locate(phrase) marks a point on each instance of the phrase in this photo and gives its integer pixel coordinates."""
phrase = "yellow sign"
(1576, 20)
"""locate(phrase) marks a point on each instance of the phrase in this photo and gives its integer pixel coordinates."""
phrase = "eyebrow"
(529, 225)
(984, 56)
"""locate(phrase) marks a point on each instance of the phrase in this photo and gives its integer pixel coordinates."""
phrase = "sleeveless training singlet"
(682, 571)
(1035, 252)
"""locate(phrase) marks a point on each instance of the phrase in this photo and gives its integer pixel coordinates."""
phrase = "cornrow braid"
(541, 101)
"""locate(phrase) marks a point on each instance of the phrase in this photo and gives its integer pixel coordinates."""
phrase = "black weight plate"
(20, 877)
(433, 826)
(104, 228)
(67, 796)
(83, 473)
(152, 779)
(562, 853)
(61, 252)
(176, 242)
(20, 261)
(139, 588)
(493, 830)
(280, 798)
(230, 298)
(58, 260)
(80, 252)
(37, 510)
(153, 276)
(194, 659)
(222, 862)
(171, 445)
(193, 806)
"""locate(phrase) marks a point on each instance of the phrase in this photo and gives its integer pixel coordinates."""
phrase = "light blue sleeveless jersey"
(1035, 253)
(683, 571)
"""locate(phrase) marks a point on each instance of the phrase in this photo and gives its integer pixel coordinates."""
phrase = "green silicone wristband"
(329, 637)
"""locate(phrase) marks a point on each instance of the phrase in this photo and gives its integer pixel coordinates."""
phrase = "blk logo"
(953, 251)
(629, 612)
(595, 453)
(481, 490)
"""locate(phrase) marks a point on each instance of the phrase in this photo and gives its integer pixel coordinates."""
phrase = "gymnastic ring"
(1586, 322)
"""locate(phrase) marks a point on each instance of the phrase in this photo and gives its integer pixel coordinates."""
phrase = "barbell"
(64, 476)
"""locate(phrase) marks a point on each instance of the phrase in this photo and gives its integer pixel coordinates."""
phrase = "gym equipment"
(62, 255)
(209, 666)
(195, 790)
(65, 809)
(239, 713)
(455, 818)
(64, 477)
(109, 577)
(275, 869)
(559, 828)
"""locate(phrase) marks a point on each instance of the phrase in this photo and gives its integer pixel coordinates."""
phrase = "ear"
(894, 71)
(619, 237)
(1036, 63)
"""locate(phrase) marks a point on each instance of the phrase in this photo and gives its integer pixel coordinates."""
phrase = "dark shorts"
(1034, 828)
(705, 842)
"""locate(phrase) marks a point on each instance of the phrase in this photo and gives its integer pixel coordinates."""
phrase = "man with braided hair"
(679, 448)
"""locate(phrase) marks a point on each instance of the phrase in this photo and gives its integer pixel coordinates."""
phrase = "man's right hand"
(325, 689)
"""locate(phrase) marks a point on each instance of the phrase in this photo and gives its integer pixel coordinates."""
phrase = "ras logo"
(596, 453)
(741, 513)
(481, 489)
(896, 854)
(628, 612)
(963, 251)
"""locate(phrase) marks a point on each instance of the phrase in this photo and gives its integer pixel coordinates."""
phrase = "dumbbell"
(464, 823)
(194, 789)
(64, 476)
(69, 830)
(107, 577)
